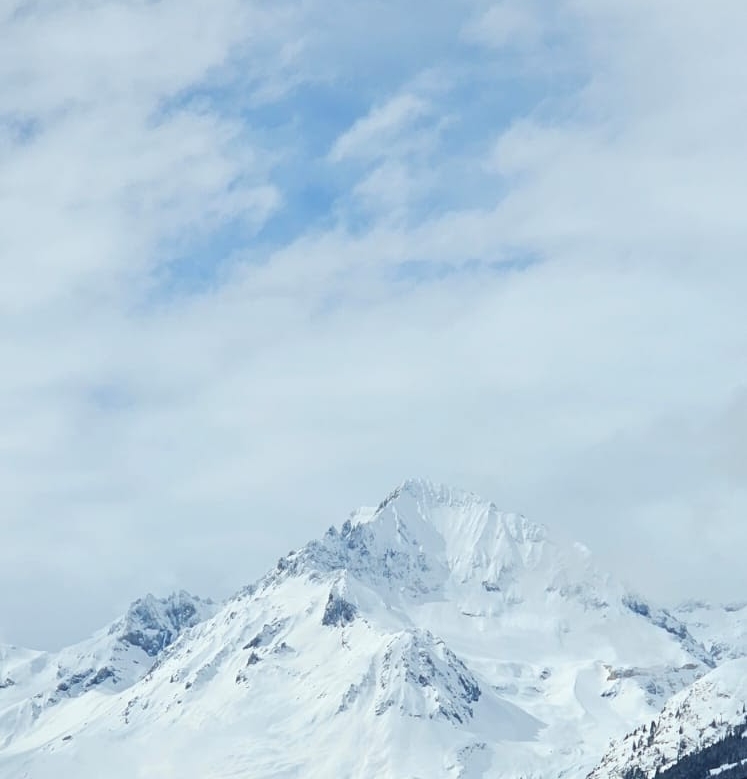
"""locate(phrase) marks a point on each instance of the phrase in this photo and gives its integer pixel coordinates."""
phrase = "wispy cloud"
(510, 23)
(370, 136)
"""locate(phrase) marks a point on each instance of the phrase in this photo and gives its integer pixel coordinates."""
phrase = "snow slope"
(722, 628)
(695, 718)
(432, 636)
(112, 660)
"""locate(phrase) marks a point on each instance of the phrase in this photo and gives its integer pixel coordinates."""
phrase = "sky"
(263, 260)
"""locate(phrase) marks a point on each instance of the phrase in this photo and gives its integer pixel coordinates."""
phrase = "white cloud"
(515, 23)
(371, 135)
(106, 174)
(543, 304)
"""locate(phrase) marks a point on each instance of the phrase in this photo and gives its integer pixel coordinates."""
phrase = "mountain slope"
(431, 636)
(113, 659)
(721, 628)
(709, 711)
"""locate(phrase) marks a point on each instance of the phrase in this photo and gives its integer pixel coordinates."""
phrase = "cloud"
(370, 135)
(244, 292)
(106, 174)
(506, 23)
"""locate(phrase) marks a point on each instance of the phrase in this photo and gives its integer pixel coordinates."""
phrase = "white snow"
(694, 718)
(721, 628)
(433, 636)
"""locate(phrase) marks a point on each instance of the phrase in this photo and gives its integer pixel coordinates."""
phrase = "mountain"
(430, 636)
(114, 659)
(698, 734)
(722, 628)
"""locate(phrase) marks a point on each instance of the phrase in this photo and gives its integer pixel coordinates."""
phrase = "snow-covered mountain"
(431, 636)
(113, 659)
(693, 721)
(722, 628)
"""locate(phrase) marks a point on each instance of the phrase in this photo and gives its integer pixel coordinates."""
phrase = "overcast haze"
(261, 261)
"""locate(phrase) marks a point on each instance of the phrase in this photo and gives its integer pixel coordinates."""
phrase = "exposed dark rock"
(338, 612)
(101, 676)
(74, 680)
(152, 624)
(266, 635)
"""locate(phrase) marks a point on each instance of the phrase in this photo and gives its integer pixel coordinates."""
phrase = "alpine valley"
(432, 636)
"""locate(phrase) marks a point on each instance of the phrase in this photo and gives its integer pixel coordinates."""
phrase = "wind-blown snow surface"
(431, 637)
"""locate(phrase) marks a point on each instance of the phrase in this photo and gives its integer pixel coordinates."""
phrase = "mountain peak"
(429, 495)
(153, 623)
(423, 536)
(464, 531)
(461, 635)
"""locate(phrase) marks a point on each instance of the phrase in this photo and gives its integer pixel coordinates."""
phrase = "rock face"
(432, 635)
(152, 624)
(415, 660)
(338, 611)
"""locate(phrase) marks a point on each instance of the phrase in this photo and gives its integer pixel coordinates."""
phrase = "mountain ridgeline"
(432, 635)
